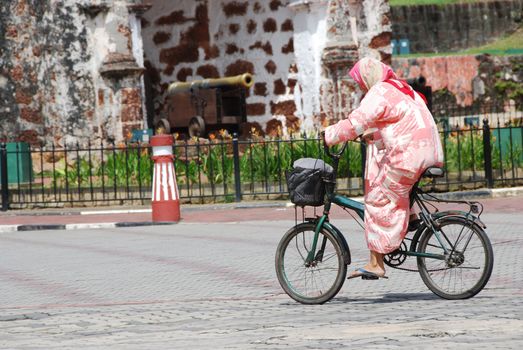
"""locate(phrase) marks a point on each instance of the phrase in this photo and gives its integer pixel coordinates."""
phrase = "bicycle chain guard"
(396, 258)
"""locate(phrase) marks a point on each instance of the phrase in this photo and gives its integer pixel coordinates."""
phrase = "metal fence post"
(487, 154)
(3, 169)
(236, 160)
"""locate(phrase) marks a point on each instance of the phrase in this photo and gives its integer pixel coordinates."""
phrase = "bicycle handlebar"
(334, 155)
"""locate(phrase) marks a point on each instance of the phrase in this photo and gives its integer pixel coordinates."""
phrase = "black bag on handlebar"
(307, 181)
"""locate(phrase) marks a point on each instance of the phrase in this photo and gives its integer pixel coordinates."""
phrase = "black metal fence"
(229, 170)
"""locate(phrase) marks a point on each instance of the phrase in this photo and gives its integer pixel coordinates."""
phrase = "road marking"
(123, 211)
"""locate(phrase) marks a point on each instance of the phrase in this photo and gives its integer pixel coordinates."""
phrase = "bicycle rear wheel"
(314, 282)
(467, 265)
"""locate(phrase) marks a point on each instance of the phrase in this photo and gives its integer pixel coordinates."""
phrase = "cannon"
(205, 105)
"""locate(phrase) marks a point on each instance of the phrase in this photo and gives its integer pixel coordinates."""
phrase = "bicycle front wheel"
(468, 262)
(310, 282)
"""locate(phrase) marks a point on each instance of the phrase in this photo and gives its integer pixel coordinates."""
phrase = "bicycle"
(454, 254)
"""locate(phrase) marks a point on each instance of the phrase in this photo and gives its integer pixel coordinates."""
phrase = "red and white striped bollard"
(165, 197)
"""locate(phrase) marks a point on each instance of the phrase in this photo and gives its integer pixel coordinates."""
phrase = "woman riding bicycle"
(403, 141)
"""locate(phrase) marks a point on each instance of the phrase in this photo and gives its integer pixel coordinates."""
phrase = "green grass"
(513, 41)
(428, 2)
(508, 45)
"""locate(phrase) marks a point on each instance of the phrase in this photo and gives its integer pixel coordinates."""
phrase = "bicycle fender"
(443, 214)
(417, 235)
(339, 236)
(462, 214)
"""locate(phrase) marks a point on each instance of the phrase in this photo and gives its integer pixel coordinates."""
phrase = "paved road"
(213, 286)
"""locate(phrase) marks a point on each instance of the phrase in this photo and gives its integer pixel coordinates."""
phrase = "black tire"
(465, 273)
(290, 260)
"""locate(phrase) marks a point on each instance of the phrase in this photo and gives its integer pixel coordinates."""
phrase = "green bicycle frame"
(359, 208)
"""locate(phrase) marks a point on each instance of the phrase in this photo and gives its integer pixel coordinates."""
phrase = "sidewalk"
(500, 200)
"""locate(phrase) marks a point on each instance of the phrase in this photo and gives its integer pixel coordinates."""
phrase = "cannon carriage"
(201, 106)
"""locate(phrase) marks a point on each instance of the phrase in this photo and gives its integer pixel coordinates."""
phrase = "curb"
(36, 227)
(462, 195)
(483, 193)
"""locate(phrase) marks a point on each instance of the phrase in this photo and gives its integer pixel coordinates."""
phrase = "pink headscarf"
(369, 71)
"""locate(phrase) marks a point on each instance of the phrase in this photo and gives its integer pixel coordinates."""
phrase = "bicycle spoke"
(315, 278)
(462, 273)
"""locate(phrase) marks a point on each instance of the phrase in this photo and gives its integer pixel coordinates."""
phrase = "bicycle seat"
(433, 172)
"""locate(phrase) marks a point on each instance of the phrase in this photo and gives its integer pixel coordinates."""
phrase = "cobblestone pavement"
(213, 286)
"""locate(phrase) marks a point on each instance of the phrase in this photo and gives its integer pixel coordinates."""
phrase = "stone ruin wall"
(433, 28)
(282, 43)
(69, 71)
(354, 29)
(465, 81)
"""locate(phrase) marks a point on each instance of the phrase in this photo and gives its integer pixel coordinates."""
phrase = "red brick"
(100, 97)
(246, 129)
(291, 83)
(257, 8)
(181, 53)
(283, 108)
(289, 47)
(175, 17)
(270, 67)
(270, 26)
(183, 73)
(292, 123)
(279, 87)
(208, 71)
(287, 26)
(231, 49)
(256, 109)
(131, 113)
(29, 136)
(260, 89)
(235, 8)
(380, 40)
(23, 98)
(267, 47)
(31, 115)
(17, 73)
(234, 28)
(211, 52)
(239, 67)
(275, 4)
(274, 128)
(251, 26)
(131, 96)
(161, 37)
(169, 70)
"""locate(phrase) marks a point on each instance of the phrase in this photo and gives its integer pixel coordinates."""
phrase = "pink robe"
(406, 142)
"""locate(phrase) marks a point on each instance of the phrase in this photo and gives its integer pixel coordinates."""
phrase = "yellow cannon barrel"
(246, 80)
